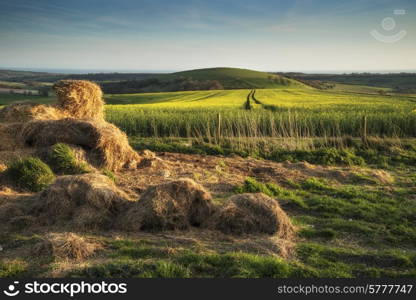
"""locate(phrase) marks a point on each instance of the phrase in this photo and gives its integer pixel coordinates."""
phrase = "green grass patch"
(30, 173)
(14, 268)
(63, 158)
(109, 174)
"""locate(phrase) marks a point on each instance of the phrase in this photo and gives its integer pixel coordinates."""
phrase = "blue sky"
(280, 35)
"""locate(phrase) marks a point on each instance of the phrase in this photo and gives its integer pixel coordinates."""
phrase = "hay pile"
(8, 139)
(66, 246)
(253, 213)
(24, 111)
(80, 99)
(174, 205)
(85, 201)
(92, 201)
(13, 209)
(107, 146)
(77, 118)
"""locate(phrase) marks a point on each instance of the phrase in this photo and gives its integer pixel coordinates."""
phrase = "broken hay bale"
(24, 111)
(66, 246)
(80, 98)
(109, 146)
(9, 133)
(79, 201)
(253, 213)
(173, 205)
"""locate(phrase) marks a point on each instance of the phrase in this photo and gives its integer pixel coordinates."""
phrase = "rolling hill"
(234, 78)
(203, 79)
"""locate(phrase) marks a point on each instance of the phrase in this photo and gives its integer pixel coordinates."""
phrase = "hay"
(9, 140)
(81, 99)
(13, 208)
(77, 119)
(253, 213)
(175, 205)
(10, 210)
(66, 246)
(108, 145)
(23, 111)
(83, 202)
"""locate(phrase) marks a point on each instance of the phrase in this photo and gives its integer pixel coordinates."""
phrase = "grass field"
(274, 113)
(354, 220)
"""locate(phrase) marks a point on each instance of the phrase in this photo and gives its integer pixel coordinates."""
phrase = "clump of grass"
(13, 268)
(30, 173)
(251, 185)
(324, 156)
(134, 268)
(109, 174)
(63, 157)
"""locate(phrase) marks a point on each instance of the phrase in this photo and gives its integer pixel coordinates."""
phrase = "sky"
(162, 35)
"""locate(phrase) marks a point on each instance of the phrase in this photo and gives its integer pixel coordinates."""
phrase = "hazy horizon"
(86, 71)
(161, 36)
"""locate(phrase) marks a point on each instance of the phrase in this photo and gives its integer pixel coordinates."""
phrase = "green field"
(295, 112)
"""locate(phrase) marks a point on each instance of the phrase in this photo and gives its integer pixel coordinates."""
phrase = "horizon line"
(132, 71)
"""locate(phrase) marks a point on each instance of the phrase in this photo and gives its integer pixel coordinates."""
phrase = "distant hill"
(22, 76)
(203, 79)
(17, 76)
(234, 78)
(398, 82)
(200, 79)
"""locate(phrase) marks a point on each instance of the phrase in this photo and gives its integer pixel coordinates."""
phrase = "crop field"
(291, 112)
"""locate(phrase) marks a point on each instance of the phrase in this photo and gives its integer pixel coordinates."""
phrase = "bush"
(63, 157)
(30, 173)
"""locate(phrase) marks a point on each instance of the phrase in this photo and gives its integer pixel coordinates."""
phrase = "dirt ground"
(220, 175)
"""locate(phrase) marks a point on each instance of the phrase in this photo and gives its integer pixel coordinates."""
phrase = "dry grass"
(174, 205)
(253, 213)
(66, 246)
(83, 202)
(81, 99)
(109, 147)
(23, 111)
(8, 136)
(78, 117)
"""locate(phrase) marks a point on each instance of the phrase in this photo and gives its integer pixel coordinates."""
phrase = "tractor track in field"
(251, 97)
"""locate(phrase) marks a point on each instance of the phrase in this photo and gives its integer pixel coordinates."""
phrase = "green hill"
(234, 78)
